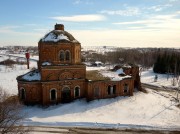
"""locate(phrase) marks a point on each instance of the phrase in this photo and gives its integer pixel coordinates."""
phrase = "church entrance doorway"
(66, 95)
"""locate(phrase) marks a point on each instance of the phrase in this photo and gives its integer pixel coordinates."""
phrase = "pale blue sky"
(123, 23)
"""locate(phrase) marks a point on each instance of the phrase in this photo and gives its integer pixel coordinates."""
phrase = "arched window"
(68, 55)
(22, 93)
(53, 94)
(77, 91)
(61, 55)
(126, 88)
(114, 89)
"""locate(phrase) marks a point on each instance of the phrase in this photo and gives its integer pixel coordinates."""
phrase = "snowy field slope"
(99, 49)
(8, 75)
(22, 55)
(163, 80)
(155, 109)
(151, 109)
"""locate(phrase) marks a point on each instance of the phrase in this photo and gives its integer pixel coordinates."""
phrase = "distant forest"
(163, 60)
(167, 62)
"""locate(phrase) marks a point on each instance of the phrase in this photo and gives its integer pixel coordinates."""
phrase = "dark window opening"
(22, 94)
(136, 84)
(67, 55)
(77, 91)
(53, 94)
(109, 90)
(62, 56)
(114, 89)
(125, 88)
(66, 95)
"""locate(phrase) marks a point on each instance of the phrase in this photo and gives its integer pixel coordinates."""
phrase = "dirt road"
(80, 130)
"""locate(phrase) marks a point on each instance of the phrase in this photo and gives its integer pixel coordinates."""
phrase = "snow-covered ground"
(8, 75)
(99, 49)
(163, 80)
(32, 57)
(155, 109)
(151, 109)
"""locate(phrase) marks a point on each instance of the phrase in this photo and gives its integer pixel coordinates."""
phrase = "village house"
(61, 77)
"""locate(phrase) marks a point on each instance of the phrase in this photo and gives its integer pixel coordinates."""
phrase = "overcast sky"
(123, 23)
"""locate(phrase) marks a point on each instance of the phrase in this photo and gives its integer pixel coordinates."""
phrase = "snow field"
(163, 79)
(8, 75)
(141, 109)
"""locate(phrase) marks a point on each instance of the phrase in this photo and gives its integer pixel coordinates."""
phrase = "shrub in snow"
(156, 78)
(10, 115)
(33, 68)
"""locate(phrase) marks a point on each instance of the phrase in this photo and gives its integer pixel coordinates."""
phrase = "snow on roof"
(120, 71)
(120, 78)
(98, 62)
(32, 76)
(46, 63)
(127, 66)
(114, 76)
(55, 38)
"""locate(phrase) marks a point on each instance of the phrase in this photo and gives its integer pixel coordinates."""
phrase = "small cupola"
(59, 27)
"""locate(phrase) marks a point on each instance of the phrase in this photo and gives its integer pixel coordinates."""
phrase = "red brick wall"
(33, 92)
(37, 93)
(49, 51)
(103, 88)
(47, 86)
(50, 73)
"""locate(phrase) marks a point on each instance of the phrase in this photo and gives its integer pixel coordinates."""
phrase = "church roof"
(59, 35)
(30, 76)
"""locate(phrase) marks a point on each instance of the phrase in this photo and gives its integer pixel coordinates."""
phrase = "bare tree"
(10, 115)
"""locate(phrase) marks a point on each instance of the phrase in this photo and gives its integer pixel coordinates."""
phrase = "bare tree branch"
(10, 115)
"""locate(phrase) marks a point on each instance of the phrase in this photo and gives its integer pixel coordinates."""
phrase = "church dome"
(59, 35)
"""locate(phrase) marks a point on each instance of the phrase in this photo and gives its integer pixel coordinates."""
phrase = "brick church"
(61, 77)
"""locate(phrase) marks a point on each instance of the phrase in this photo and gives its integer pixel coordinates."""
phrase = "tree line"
(144, 57)
(167, 62)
